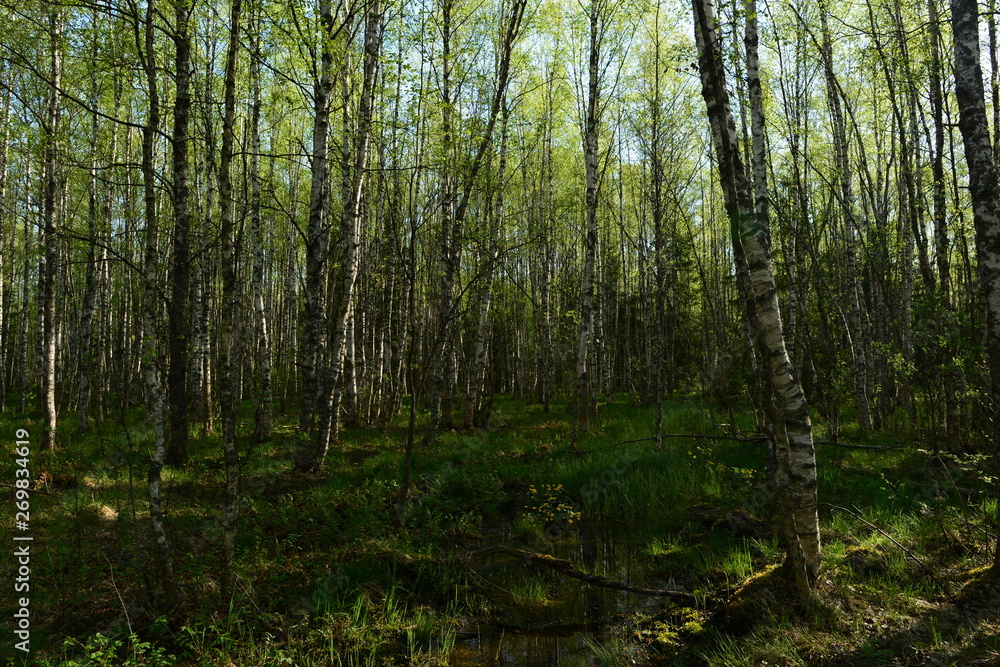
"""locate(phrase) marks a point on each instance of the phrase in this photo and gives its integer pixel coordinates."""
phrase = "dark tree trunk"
(180, 269)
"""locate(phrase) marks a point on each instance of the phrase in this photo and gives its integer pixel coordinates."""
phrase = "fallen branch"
(566, 567)
(694, 436)
(848, 445)
(737, 438)
(617, 444)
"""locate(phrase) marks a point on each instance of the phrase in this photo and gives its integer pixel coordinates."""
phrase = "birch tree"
(591, 129)
(856, 315)
(747, 212)
(146, 47)
(983, 187)
(50, 241)
(6, 330)
(264, 396)
(454, 214)
(354, 163)
(317, 236)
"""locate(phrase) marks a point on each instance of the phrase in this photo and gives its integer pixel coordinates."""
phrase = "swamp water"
(576, 616)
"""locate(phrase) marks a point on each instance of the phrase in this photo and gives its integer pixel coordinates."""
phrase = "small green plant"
(429, 640)
(531, 592)
(737, 563)
(610, 653)
(664, 546)
(549, 503)
(102, 651)
(935, 632)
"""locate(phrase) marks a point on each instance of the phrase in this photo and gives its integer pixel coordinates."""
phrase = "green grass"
(532, 592)
(328, 575)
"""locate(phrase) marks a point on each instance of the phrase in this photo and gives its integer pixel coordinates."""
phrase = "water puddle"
(558, 634)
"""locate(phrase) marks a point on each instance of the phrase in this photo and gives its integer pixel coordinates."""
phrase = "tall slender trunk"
(656, 370)
(94, 212)
(207, 373)
(408, 367)
(354, 156)
(317, 239)
(227, 381)
(984, 189)
(546, 353)
(352, 346)
(952, 380)
(450, 245)
(150, 306)
(180, 276)
(994, 76)
(196, 367)
(99, 375)
(857, 329)
(747, 212)
(477, 371)
(937, 157)
(5, 324)
(264, 395)
(24, 376)
(584, 389)
(598, 341)
(796, 112)
(201, 297)
(47, 276)
(290, 301)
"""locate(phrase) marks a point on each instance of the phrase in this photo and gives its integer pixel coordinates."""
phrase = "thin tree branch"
(566, 567)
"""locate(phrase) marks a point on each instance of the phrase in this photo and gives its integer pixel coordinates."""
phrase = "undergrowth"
(332, 571)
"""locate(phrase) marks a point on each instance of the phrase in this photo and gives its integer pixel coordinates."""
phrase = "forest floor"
(332, 571)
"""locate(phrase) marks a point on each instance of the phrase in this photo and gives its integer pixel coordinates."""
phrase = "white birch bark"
(795, 453)
(352, 352)
(5, 344)
(264, 398)
(983, 187)
(22, 344)
(90, 293)
(50, 241)
(150, 308)
(477, 372)
(355, 146)
(584, 390)
(317, 241)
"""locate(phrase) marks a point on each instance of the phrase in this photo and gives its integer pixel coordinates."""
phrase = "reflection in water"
(556, 635)
(525, 650)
